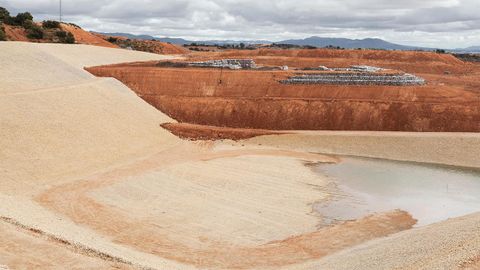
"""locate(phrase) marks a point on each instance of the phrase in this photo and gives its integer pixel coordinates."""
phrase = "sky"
(429, 23)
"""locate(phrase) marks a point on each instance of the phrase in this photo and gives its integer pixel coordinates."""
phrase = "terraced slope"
(448, 102)
(60, 123)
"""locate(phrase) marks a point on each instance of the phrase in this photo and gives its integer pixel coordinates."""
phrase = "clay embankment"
(15, 33)
(411, 62)
(257, 99)
(151, 46)
(18, 33)
(85, 37)
(201, 132)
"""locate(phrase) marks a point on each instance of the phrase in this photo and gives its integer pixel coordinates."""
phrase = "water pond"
(363, 186)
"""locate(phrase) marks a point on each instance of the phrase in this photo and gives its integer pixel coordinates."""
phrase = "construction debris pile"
(355, 75)
(226, 63)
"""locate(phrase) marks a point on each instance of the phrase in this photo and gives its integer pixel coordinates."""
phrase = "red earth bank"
(256, 99)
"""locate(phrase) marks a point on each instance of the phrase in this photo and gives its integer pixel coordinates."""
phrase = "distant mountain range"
(368, 43)
(320, 42)
(181, 41)
(474, 49)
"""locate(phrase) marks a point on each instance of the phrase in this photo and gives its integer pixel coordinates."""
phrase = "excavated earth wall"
(258, 99)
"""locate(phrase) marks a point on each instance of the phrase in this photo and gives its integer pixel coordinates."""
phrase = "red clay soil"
(18, 33)
(157, 47)
(15, 33)
(408, 61)
(150, 46)
(85, 37)
(202, 132)
(256, 99)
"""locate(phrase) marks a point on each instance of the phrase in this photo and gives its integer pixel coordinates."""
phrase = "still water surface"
(429, 193)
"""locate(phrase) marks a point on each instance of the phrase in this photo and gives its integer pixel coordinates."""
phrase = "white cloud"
(436, 23)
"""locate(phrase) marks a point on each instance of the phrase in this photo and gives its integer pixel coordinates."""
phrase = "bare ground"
(85, 161)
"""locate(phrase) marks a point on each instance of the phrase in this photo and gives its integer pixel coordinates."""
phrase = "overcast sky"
(433, 23)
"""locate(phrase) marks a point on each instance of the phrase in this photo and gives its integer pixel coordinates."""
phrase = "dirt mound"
(15, 33)
(84, 37)
(257, 99)
(151, 46)
(202, 132)
(18, 33)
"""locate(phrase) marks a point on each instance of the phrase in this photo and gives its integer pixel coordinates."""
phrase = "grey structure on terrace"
(364, 69)
(349, 69)
(355, 75)
(226, 63)
(368, 78)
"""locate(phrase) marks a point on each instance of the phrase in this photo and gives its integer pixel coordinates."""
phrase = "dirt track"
(256, 99)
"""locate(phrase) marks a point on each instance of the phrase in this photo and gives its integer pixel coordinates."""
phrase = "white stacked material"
(356, 79)
(365, 69)
(226, 63)
(360, 68)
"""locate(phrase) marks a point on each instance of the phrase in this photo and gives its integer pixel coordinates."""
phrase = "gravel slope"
(453, 244)
(454, 149)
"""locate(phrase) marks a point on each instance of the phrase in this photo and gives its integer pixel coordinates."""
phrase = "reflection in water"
(429, 193)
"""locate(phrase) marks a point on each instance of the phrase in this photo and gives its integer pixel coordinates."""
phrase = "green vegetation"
(74, 25)
(24, 19)
(197, 46)
(468, 57)
(70, 39)
(34, 32)
(112, 39)
(18, 20)
(65, 37)
(49, 30)
(4, 14)
(51, 24)
(28, 24)
(21, 18)
(3, 36)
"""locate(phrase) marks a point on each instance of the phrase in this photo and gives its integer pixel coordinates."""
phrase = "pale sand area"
(26, 250)
(455, 149)
(59, 124)
(453, 244)
(83, 160)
